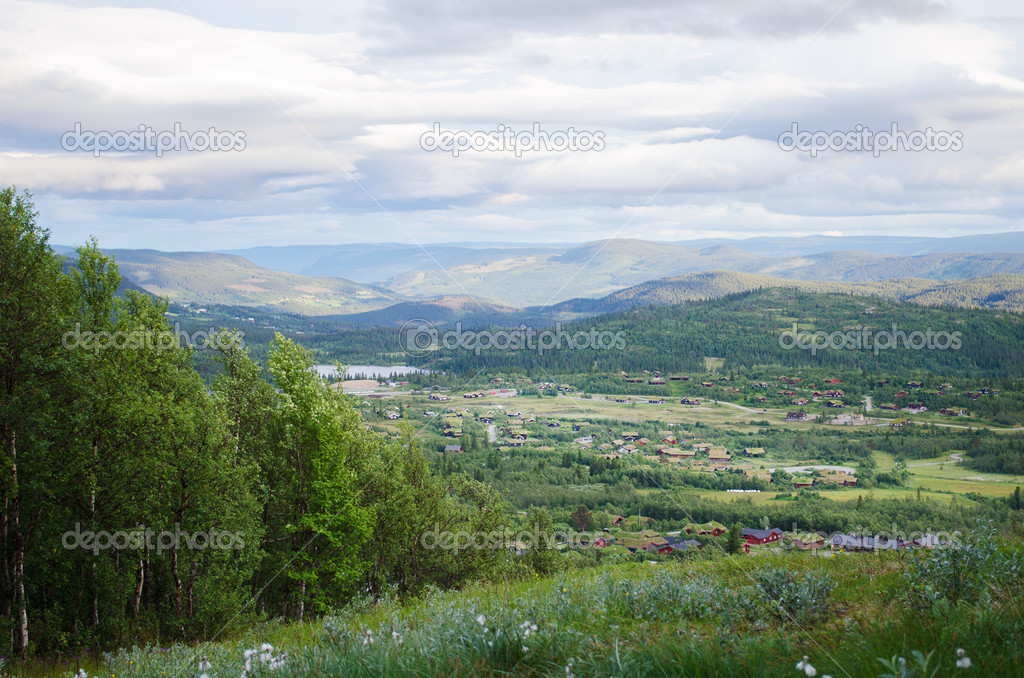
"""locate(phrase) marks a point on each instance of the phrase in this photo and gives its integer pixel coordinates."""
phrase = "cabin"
(950, 412)
(439, 397)
(796, 416)
(656, 401)
(833, 381)
(690, 401)
(754, 451)
(798, 401)
(757, 537)
(707, 384)
(453, 448)
(631, 436)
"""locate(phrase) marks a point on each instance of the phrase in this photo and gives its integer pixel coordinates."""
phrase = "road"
(867, 404)
(955, 456)
(491, 435)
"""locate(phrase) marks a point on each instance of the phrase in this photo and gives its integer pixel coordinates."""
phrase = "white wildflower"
(481, 619)
(204, 664)
(806, 667)
(963, 661)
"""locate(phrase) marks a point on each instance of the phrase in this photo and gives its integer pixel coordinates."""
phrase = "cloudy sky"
(687, 97)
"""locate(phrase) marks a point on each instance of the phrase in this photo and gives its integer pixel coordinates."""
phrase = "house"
(453, 448)
(796, 416)
(656, 401)
(852, 542)
(678, 377)
(914, 384)
(622, 399)
(656, 382)
(554, 424)
(833, 381)
(671, 440)
(834, 394)
(835, 403)
(439, 397)
(798, 401)
(889, 406)
(707, 384)
(756, 537)
(950, 412)
(898, 423)
(719, 454)
(690, 401)
(809, 541)
(803, 482)
(917, 407)
(754, 451)
(710, 528)
(630, 435)
(514, 443)
(486, 419)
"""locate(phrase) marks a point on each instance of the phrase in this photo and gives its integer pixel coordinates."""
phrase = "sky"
(327, 111)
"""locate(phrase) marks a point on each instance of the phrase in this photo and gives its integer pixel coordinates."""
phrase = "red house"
(756, 537)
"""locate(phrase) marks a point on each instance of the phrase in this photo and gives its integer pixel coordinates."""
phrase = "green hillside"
(203, 277)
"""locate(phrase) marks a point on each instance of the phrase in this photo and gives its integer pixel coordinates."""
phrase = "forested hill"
(1002, 291)
(745, 330)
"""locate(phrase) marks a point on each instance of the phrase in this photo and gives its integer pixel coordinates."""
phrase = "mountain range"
(507, 283)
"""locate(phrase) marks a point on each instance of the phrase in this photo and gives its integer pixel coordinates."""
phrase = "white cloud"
(332, 99)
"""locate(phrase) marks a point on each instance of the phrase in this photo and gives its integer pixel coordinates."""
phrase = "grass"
(712, 616)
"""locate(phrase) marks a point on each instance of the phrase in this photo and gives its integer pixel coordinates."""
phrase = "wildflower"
(481, 619)
(397, 637)
(527, 628)
(806, 667)
(963, 661)
(368, 640)
(204, 664)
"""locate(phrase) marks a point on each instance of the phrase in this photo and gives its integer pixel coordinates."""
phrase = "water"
(387, 372)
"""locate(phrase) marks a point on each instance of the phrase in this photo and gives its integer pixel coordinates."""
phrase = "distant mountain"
(204, 277)
(523, 277)
(370, 263)
(601, 267)
(893, 245)
(998, 291)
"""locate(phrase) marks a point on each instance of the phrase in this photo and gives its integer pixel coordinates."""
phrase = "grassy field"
(746, 615)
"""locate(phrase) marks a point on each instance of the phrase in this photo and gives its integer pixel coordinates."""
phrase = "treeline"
(745, 330)
(137, 504)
